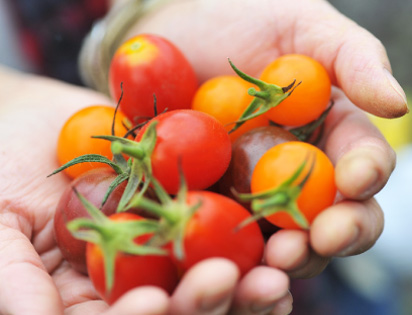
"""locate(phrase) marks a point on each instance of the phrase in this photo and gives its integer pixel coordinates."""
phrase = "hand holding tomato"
(358, 67)
(28, 200)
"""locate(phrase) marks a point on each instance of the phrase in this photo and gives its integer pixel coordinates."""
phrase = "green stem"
(269, 96)
(132, 150)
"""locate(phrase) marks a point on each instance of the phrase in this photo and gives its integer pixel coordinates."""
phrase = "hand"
(254, 33)
(35, 279)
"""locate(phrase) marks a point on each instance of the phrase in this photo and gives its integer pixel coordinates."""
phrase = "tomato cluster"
(183, 172)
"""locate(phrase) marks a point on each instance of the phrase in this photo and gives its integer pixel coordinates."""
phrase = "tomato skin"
(75, 137)
(130, 270)
(92, 185)
(211, 233)
(309, 99)
(196, 140)
(148, 64)
(246, 152)
(280, 162)
(225, 98)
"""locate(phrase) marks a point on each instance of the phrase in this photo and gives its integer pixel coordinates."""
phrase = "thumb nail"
(397, 88)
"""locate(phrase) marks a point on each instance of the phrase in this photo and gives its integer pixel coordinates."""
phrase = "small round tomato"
(309, 99)
(226, 98)
(151, 65)
(93, 185)
(279, 163)
(246, 152)
(75, 137)
(130, 271)
(212, 232)
(193, 139)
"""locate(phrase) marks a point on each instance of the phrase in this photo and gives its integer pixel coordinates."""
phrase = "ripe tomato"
(309, 99)
(226, 98)
(148, 64)
(75, 137)
(246, 152)
(93, 185)
(196, 140)
(280, 162)
(211, 232)
(130, 271)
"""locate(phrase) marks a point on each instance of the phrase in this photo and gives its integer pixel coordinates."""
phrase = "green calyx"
(269, 96)
(174, 214)
(303, 133)
(113, 237)
(119, 165)
(282, 198)
(141, 164)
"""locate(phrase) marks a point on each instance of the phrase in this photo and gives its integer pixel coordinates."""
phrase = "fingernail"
(216, 303)
(351, 243)
(368, 176)
(261, 307)
(398, 89)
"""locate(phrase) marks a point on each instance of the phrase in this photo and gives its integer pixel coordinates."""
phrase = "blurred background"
(44, 36)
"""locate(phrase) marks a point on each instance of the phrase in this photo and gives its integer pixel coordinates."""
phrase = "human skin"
(35, 279)
(360, 71)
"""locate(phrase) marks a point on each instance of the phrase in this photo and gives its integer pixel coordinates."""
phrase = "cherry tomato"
(93, 185)
(279, 163)
(211, 232)
(150, 65)
(309, 99)
(75, 137)
(246, 152)
(226, 97)
(130, 270)
(196, 140)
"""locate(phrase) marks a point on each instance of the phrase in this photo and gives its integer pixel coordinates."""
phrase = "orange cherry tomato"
(75, 137)
(225, 97)
(309, 99)
(279, 163)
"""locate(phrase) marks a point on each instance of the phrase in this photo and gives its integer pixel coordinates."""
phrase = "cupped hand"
(253, 33)
(34, 277)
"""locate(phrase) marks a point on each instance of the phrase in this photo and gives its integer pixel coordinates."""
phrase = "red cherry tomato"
(130, 270)
(93, 185)
(211, 232)
(151, 65)
(196, 140)
(280, 162)
(309, 99)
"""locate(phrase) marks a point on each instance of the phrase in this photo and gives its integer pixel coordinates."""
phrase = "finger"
(347, 228)
(363, 158)
(207, 288)
(144, 300)
(25, 287)
(356, 60)
(290, 251)
(260, 291)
